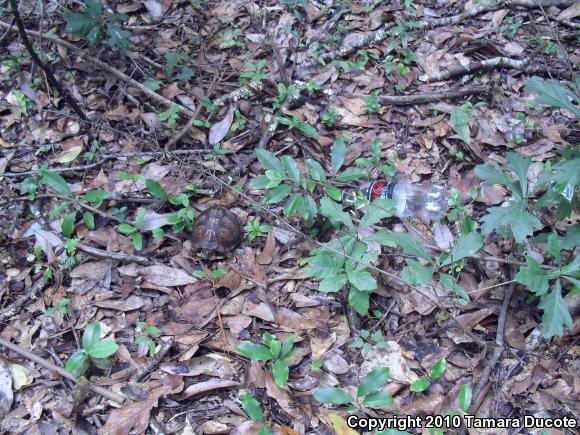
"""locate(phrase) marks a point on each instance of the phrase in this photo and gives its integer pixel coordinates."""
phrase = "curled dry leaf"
(212, 384)
(390, 357)
(220, 129)
(129, 304)
(166, 276)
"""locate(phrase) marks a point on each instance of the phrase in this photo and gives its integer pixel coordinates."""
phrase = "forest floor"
(114, 321)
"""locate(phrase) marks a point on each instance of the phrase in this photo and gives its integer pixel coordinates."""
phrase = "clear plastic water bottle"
(423, 200)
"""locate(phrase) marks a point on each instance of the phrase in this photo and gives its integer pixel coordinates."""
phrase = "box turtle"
(217, 229)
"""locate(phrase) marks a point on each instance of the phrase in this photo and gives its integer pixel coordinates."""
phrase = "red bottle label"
(380, 189)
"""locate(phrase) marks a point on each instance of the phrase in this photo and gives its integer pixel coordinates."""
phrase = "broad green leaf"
(293, 204)
(411, 245)
(55, 182)
(513, 219)
(277, 194)
(332, 396)
(270, 161)
(96, 196)
(308, 129)
(68, 224)
(420, 385)
(140, 217)
(78, 363)
(359, 300)
(491, 173)
(291, 168)
(551, 93)
(338, 153)
(350, 174)
(417, 274)
(332, 284)
(79, 24)
(334, 211)
(572, 268)
(280, 371)
(89, 220)
(450, 284)
(380, 399)
(316, 170)
(91, 335)
(284, 121)
(460, 122)
(260, 182)
(155, 189)
(373, 381)
(252, 408)
(275, 346)
(556, 314)
(362, 280)
(118, 37)
(466, 246)
(126, 229)
(138, 241)
(376, 211)
(465, 395)
(335, 194)
(103, 349)
(323, 266)
(287, 346)
(383, 237)
(533, 276)
(438, 369)
(520, 165)
(254, 351)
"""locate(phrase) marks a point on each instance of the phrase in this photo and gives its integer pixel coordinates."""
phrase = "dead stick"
(427, 97)
(44, 363)
(22, 300)
(119, 256)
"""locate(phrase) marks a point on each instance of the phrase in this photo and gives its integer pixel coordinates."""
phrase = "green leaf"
(287, 346)
(513, 219)
(338, 153)
(140, 218)
(254, 351)
(520, 165)
(379, 399)
(260, 182)
(252, 408)
(308, 129)
(411, 245)
(323, 266)
(362, 280)
(466, 246)
(373, 381)
(291, 168)
(316, 170)
(155, 189)
(333, 284)
(138, 241)
(572, 268)
(126, 229)
(79, 24)
(68, 224)
(103, 349)
(91, 335)
(334, 211)
(278, 193)
(556, 314)
(450, 284)
(332, 396)
(376, 211)
(118, 37)
(359, 300)
(533, 276)
(491, 173)
(89, 220)
(275, 346)
(78, 363)
(438, 369)
(419, 385)
(55, 182)
(293, 204)
(350, 174)
(416, 273)
(280, 371)
(270, 161)
(96, 196)
(465, 395)
(285, 121)
(383, 237)
(460, 122)
(551, 93)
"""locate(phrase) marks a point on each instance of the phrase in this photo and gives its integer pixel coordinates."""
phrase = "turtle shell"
(217, 229)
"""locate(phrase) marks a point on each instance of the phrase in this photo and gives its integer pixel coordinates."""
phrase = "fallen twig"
(427, 97)
(118, 256)
(48, 365)
(153, 362)
(32, 293)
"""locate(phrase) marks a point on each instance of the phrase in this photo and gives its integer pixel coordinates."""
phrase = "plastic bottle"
(423, 200)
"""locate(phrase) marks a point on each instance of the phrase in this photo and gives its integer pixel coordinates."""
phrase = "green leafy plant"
(170, 115)
(254, 72)
(366, 340)
(276, 351)
(216, 152)
(147, 330)
(256, 229)
(172, 60)
(556, 94)
(437, 371)
(460, 120)
(283, 93)
(362, 59)
(295, 122)
(213, 275)
(94, 351)
(510, 27)
(23, 101)
(368, 392)
(229, 38)
(329, 117)
(93, 23)
(254, 411)
(60, 306)
(371, 103)
(133, 231)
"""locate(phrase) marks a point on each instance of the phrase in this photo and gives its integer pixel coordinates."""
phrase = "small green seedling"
(145, 338)
(255, 229)
(213, 275)
(330, 117)
(437, 371)
(371, 103)
(170, 115)
(132, 231)
(254, 411)
(283, 93)
(94, 350)
(276, 351)
(295, 122)
(60, 306)
(253, 72)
